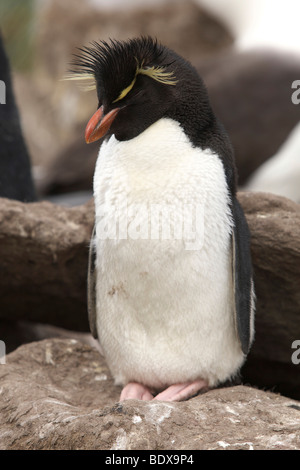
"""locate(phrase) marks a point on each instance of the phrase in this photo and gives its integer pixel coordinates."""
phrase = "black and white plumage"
(170, 318)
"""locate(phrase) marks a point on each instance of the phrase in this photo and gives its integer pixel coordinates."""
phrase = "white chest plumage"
(164, 304)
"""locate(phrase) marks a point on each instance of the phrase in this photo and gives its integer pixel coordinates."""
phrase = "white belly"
(164, 298)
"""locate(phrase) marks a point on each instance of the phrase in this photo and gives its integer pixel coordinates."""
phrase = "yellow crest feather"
(158, 73)
(125, 91)
(89, 77)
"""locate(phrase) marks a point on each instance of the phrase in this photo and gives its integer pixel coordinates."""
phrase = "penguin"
(170, 284)
(16, 181)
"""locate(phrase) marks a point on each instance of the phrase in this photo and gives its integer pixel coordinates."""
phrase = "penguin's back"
(165, 297)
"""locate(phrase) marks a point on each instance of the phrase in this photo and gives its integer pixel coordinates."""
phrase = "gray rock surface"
(58, 394)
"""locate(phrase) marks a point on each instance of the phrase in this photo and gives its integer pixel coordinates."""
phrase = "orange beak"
(99, 124)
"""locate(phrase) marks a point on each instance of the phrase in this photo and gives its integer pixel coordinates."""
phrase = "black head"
(140, 81)
(144, 81)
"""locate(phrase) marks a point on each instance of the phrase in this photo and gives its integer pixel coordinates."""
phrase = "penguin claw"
(176, 392)
(182, 391)
(134, 390)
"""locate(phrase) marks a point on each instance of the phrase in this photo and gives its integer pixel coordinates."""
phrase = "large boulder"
(275, 229)
(58, 394)
(44, 252)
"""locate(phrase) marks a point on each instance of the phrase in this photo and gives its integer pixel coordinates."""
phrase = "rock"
(58, 394)
(275, 231)
(46, 281)
(16, 333)
(44, 252)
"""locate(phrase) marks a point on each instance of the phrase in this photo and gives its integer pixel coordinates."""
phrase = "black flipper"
(91, 286)
(242, 277)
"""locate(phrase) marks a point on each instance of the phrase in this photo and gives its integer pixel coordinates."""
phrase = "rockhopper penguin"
(173, 317)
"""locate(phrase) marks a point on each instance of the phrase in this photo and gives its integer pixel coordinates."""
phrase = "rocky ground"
(58, 394)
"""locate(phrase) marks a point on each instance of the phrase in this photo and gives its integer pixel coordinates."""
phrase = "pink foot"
(182, 391)
(134, 390)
